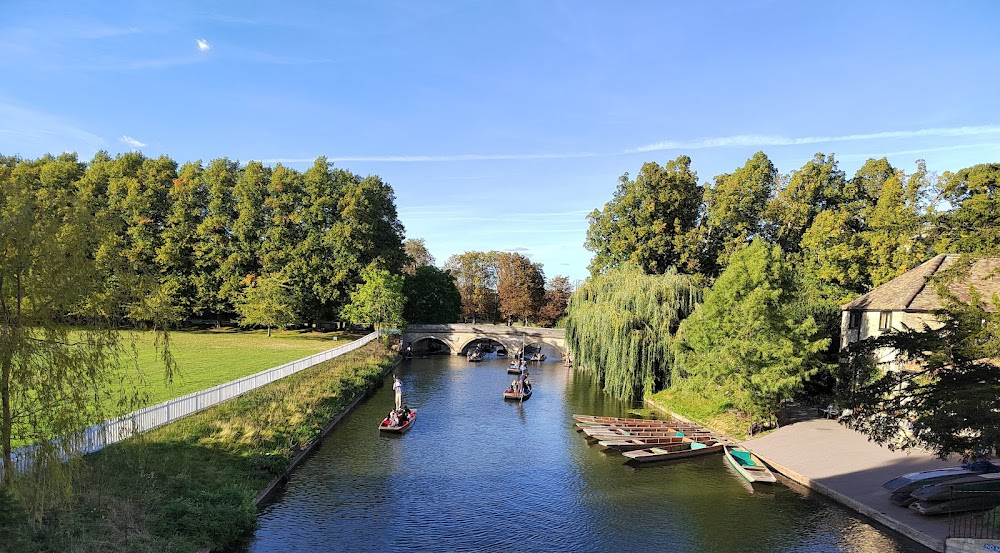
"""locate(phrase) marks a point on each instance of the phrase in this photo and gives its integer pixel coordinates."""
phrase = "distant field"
(209, 357)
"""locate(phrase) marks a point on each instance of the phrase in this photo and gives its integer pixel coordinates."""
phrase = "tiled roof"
(911, 291)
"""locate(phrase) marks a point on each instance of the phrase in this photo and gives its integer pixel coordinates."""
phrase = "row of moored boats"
(969, 487)
(644, 441)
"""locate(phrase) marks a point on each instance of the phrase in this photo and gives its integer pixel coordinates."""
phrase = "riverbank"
(845, 466)
(195, 484)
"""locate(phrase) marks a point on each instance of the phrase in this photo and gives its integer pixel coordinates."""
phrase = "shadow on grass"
(149, 497)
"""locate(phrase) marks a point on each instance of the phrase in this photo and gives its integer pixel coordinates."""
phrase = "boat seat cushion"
(743, 458)
(698, 445)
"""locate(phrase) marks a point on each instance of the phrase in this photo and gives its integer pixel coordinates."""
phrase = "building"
(908, 301)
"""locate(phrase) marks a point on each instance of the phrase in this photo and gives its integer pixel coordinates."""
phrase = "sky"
(501, 125)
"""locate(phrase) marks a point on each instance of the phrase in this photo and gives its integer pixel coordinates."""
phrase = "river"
(476, 473)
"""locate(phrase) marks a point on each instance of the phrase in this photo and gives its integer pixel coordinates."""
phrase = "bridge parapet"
(459, 336)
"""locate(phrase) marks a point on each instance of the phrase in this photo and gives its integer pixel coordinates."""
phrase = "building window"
(885, 320)
(854, 320)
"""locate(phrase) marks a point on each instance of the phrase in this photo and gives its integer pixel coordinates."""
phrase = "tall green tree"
(735, 207)
(313, 255)
(432, 297)
(378, 300)
(251, 216)
(476, 274)
(743, 342)
(176, 256)
(816, 187)
(215, 237)
(646, 221)
(972, 224)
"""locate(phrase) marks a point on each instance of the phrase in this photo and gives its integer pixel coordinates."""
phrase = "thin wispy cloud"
(131, 142)
(754, 140)
(30, 132)
(994, 145)
(203, 45)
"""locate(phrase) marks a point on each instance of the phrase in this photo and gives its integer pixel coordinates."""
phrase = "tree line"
(770, 257)
(507, 286)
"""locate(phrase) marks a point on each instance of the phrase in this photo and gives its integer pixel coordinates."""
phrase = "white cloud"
(203, 45)
(756, 140)
(131, 142)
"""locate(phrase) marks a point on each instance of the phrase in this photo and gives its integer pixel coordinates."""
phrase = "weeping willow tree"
(621, 325)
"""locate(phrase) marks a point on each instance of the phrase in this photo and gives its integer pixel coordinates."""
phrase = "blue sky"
(500, 125)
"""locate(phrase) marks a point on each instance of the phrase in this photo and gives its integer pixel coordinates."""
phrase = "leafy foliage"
(266, 302)
(621, 324)
(416, 255)
(520, 286)
(378, 300)
(431, 296)
(557, 294)
(742, 343)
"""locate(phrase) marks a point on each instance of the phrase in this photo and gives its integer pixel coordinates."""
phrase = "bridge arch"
(428, 341)
(510, 348)
(513, 338)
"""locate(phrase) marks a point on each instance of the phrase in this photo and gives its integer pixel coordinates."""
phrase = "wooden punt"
(982, 484)
(682, 426)
(748, 465)
(646, 443)
(510, 395)
(670, 452)
(618, 420)
(664, 432)
(384, 426)
(513, 370)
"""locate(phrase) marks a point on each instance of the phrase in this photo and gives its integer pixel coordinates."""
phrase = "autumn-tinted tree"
(520, 286)
(432, 296)
(416, 255)
(647, 219)
(557, 293)
(476, 276)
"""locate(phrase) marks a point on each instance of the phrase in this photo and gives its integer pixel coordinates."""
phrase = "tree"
(416, 255)
(743, 343)
(476, 276)
(248, 229)
(215, 237)
(817, 186)
(972, 225)
(557, 293)
(63, 304)
(176, 255)
(311, 263)
(621, 324)
(949, 396)
(432, 297)
(266, 302)
(735, 208)
(520, 286)
(646, 221)
(378, 300)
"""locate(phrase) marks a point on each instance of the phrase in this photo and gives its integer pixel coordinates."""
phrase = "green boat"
(748, 465)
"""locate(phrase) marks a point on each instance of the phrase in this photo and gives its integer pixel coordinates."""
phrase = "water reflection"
(477, 473)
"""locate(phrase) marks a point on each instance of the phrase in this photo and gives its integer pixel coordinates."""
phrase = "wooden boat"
(988, 483)
(513, 369)
(959, 505)
(912, 481)
(646, 443)
(617, 420)
(748, 465)
(670, 452)
(537, 357)
(511, 395)
(501, 353)
(475, 356)
(402, 427)
(902, 499)
(663, 432)
(595, 426)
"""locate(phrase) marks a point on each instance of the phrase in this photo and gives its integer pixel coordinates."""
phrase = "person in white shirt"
(397, 387)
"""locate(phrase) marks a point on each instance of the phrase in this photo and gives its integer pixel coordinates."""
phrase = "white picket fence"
(106, 433)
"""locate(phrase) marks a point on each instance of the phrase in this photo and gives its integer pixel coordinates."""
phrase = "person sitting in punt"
(393, 418)
(405, 414)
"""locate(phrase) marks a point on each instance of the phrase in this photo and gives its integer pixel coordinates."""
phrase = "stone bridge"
(460, 338)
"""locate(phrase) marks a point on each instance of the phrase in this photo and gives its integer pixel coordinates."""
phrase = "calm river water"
(477, 473)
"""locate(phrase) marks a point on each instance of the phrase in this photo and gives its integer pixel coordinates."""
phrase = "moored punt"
(669, 452)
(384, 426)
(979, 484)
(912, 481)
(748, 465)
(679, 426)
(959, 505)
(510, 395)
(663, 432)
(646, 443)
(617, 420)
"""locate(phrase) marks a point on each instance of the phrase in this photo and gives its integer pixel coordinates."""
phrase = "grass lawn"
(715, 415)
(209, 357)
(191, 484)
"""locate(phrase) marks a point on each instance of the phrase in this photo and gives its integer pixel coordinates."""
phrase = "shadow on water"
(477, 473)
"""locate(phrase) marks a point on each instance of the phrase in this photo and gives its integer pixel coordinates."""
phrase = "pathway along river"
(477, 473)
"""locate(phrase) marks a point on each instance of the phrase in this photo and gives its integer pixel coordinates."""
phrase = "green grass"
(206, 358)
(715, 414)
(192, 484)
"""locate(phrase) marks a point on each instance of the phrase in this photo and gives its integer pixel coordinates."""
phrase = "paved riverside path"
(842, 464)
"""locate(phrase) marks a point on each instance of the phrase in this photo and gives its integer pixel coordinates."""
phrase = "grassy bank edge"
(196, 484)
(699, 410)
